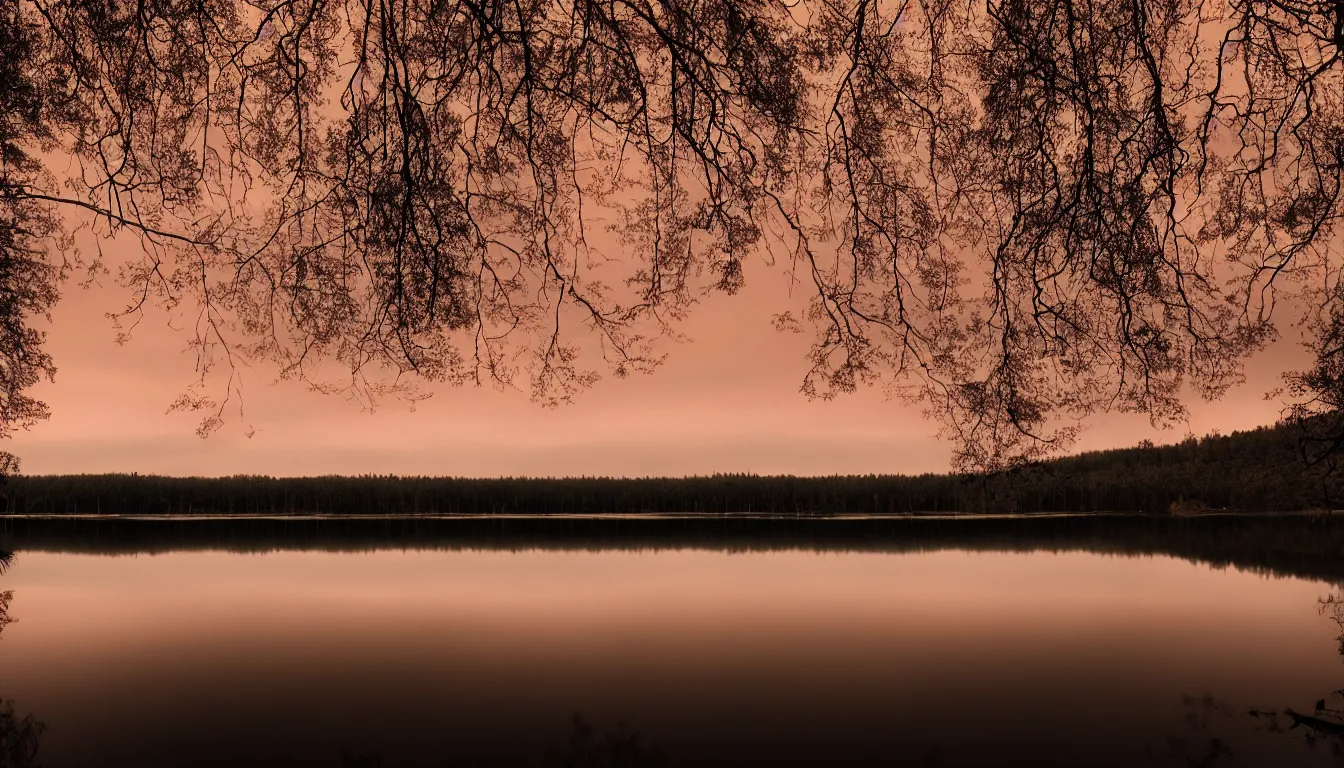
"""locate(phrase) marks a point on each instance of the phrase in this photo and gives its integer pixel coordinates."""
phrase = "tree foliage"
(1016, 213)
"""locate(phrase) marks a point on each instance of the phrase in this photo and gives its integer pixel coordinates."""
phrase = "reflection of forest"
(1302, 545)
(1210, 736)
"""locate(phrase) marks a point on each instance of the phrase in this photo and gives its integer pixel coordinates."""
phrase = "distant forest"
(1256, 471)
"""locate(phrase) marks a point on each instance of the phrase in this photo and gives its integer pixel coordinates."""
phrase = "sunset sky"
(727, 401)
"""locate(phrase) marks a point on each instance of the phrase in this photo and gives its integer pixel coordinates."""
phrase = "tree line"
(1257, 470)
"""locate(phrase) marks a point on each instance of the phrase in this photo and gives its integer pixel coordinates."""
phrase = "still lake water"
(412, 657)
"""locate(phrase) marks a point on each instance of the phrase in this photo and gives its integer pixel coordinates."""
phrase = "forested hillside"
(1259, 470)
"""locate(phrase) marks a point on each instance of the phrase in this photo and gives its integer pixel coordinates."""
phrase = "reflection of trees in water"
(1320, 729)
(6, 562)
(1211, 725)
(1198, 745)
(5, 620)
(1333, 606)
(1201, 743)
(20, 737)
(1302, 546)
(620, 748)
(1325, 726)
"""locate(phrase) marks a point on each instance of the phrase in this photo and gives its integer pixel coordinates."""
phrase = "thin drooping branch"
(1015, 213)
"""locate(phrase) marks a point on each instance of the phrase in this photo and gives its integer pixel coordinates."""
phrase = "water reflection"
(1326, 723)
(20, 736)
(622, 747)
(1333, 607)
(1196, 746)
(584, 747)
(1302, 545)
(6, 596)
(471, 659)
(1214, 729)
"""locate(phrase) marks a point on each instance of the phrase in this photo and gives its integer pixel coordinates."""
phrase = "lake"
(348, 643)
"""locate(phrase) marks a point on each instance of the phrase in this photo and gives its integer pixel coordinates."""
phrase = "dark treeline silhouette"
(1305, 546)
(1259, 470)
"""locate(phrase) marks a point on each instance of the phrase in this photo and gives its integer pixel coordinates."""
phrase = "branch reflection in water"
(1326, 724)
(1210, 722)
(584, 748)
(6, 562)
(1213, 732)
(20, 737)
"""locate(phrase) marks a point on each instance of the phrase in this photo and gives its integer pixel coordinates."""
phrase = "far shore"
(743, 515)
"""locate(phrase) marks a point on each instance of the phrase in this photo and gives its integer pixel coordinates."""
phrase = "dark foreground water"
(297, 643)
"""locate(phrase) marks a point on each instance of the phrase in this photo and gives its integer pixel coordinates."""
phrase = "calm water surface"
(703, 657)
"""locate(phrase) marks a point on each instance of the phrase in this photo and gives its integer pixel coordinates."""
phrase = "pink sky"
(727, 401)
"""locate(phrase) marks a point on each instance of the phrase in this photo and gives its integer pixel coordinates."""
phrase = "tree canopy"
(1016, 213)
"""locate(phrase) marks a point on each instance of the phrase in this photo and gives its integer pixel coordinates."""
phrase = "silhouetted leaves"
(1014, 213)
